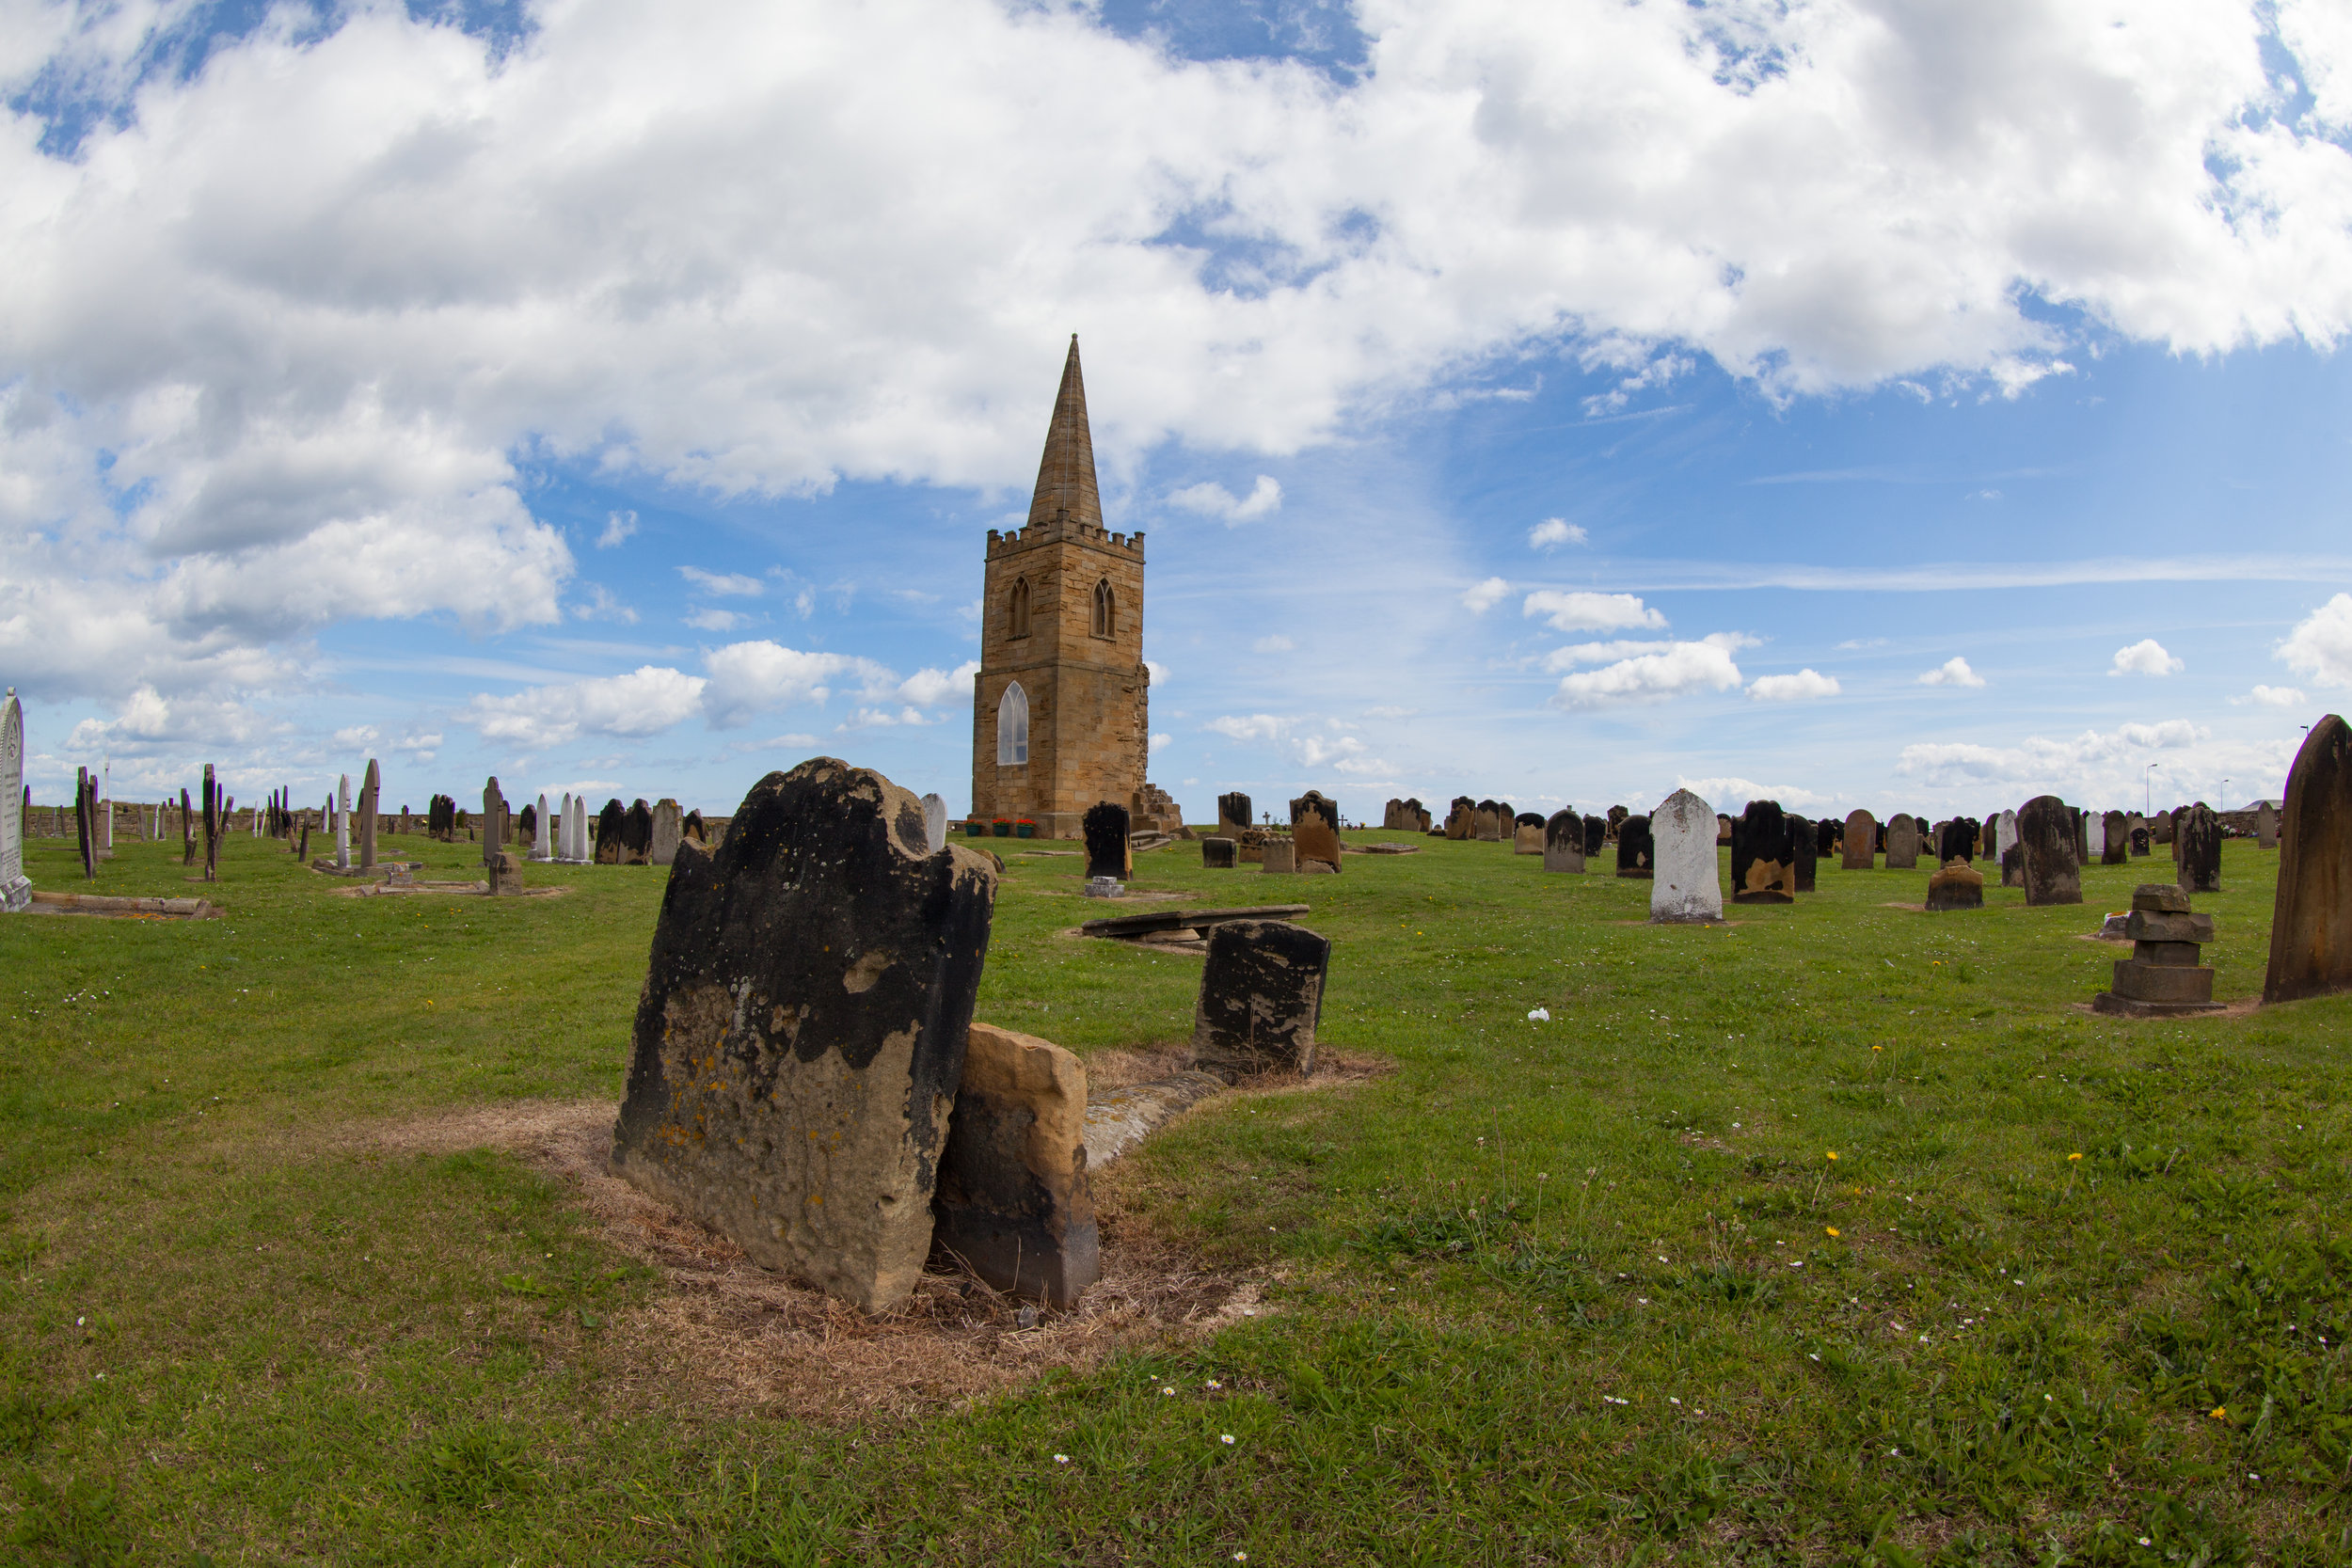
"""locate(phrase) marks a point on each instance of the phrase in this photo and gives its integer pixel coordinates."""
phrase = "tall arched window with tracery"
(1012, 727)
(1017, 610)
(1106, 610)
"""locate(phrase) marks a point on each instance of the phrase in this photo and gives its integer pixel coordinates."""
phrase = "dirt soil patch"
(724, 1334)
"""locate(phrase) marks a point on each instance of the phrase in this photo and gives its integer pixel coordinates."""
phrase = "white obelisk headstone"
(542, 837)
(1684, 882)
(935, 821)
(106, 788)
(15, 890)
(342, 824)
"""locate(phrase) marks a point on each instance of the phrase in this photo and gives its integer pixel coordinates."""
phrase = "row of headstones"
(1311, 845)
(806, 1076)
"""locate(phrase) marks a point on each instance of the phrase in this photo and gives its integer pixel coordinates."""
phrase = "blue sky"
(1556, 406)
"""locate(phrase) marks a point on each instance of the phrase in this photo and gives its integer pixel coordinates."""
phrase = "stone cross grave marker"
(2311, 919)
(1685, 886)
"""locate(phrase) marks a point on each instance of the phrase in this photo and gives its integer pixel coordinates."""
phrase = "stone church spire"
(1065, 476)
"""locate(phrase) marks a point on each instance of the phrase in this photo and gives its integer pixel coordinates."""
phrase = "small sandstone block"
(1013, 1202)
(1217, 854)
(1957, 886)
(1275, 854)
(1261, 996)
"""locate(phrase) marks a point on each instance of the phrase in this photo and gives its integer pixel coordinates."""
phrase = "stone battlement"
(1004, 542)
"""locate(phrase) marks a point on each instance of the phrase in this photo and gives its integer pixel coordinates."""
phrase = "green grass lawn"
(1835, 1235)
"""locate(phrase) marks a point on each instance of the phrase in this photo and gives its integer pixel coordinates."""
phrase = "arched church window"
(1106, 610)
(1017, 610)
(1012, 727)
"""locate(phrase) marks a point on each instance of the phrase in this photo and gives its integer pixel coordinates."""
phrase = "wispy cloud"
(1585, 611)
(1952, 672)
(725, 583)
(618, 525)
(1553, 533)
(1215, 501)
(1481, 597)
(1804, 687)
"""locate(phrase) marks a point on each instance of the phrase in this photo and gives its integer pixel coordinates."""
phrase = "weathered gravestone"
(1761, 872)
(16, 889)
(2161, 826)
(2162, 976)
(800, 1034)
(934, 821)
(669, 832)
(2266, 825)
(637, 834)
(1261, 996)
(1957, 841)
(2198, 838)
(1902, 842)
(1487, 822)
(2094, 838)
(1803, 860)
(1276, 854)
(1862, 837)
(1234, 816)
(1011, 1202)
(698, 832)
(1686, 887)
(1316, 833)
(1636, 855)
(1824, 838)
(1563, 843)
(1595, 836)
(612, 826)
(1461, 820)
(342, 823)
(1105, 830)
(2142, 841)
(370, 802)
(2311, 919)
(1956, 885)
(2007, 852)
(1527, 834)
(1616, 815)
(542, 835)
(2045, 833)
(2115, 839)
(493, 821)
(1217, 854)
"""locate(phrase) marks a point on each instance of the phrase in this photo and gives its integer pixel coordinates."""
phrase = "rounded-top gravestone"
(2197, 839)
(1761, 868)
(1684, 887)
(1862, 837)
(2311, 919)
(1635, 854)
(2045, 830)
(1563, 842)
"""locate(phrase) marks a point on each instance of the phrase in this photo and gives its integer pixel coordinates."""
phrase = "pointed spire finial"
(1066, 491)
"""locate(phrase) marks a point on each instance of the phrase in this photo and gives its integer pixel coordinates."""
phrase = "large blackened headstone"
(1616, 819)
(1233, 815)
(1803, 860)
(2142, 840)
(1461, 820)
(1861, 839)
(1012, 1203)
(1105, 830)
(1563, 843)
(1957, 841)
(1760, 868)
(1316, 831)
(2118, 843)
(2311, 919)
(1902, 842)
(1261, 997)
(800, 1034)
(1217, 854)
(1636, 856)
(1527, 834)
(612, 828)
(637, 834)
(1595, 836)
(2198, 836)
(2162, 976)
(1824, 838)
(2046, 832)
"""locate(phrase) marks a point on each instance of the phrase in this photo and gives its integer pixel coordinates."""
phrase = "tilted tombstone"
(1011, 1203)
(611, 823)
(16, 889)
(637, 834)
(1233, 815)
(935, 820)
(1902, 843)
(2199, 838)
(2162, 976)
(1461, 822)
(1636, 856)
(2266, 825)
(2045, 832)
(2311, 918)
(1862, 837)
(800, 1034)
(2115, 839)
(1217, 854)
(1316, 831)
(1261, 996)
(1685, 886)
(1487, 822)
(370, 802)
(1527, 834)
(1595, 836)
(1803, 859)
(669, 832)
(1105, 830)
(1563, 843)
(1760, 869)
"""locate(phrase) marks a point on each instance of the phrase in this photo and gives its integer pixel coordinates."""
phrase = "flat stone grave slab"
(1129, 927)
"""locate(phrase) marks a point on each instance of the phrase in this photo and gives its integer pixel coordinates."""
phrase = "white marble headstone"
(15, 890)
(541, 838)
(935, 821)
(1685, 884)
(2004, 834)
(2095, 833)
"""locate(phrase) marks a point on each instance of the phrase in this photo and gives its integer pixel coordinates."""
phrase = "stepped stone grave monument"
(1234, 816)
(1803, 859)
(2162, 976)
(1011, 1202)
(800, 1036)
(1636, 855)
(1261, 997)
(1527, 834)
(1316, 833)
(1761, 872)
(2115, 842)
(1902, 842)
(1563, 843)
(934, 821)
(2198, 839)
(612, 824)
(1216, 853)
(1105, 827)
(667, 831)
(1861, 841)
(2045, 833)
(2311, 919)
(1685, 887)
(2266, 825)
(16, 889)
(1276, 854)
(1955, 885)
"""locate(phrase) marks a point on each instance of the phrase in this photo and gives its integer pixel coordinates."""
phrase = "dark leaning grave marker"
(1761, 872)
(1803, 859)
(611, 827)
(2311, 921)
(1234, 816)
(2162, 976)
(801, 1031)
(1013, 1202)
(1105, 828)
(1636, 855)
(2047, 830)
(2197, 842)
(1261, 997)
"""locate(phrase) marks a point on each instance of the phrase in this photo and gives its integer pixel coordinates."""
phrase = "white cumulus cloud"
(2271, 696)
(1553, 533)
(645, 701)
(1585, 611)
(2145, 657)
(1952, 672)
(1255, 726)
(2320, 647)
(931, 687)
(1805, 686)
(1214, 500)
(1670, 670)
(1481, 597)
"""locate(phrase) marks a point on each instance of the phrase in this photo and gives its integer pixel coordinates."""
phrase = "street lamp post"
(2147, 791)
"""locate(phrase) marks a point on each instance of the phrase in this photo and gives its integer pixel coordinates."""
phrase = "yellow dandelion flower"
(2220, 1412)
(1830, 1153)
(2073, 1157)
(1830, 1228)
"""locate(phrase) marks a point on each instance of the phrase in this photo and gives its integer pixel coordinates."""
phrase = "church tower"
(1060, 708)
